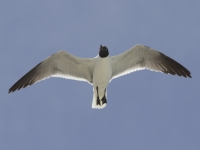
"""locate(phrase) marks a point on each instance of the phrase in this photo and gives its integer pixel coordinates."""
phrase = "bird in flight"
(99, 71)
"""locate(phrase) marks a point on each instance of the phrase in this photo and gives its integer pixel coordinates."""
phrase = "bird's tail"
(97, 103)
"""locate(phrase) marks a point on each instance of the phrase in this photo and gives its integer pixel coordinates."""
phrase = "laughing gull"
(99, 71)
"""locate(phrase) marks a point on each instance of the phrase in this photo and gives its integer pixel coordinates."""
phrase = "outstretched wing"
(141, 57)
(60, 64)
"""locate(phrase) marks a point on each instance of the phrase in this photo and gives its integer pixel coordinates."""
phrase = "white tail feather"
(94, 101)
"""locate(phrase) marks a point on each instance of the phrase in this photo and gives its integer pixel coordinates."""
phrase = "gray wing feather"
(60, 64)
(142, 57)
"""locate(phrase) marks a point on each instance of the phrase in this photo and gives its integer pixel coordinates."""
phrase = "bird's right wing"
(60, 64)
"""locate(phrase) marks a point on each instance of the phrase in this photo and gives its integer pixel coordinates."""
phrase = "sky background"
(145, 111)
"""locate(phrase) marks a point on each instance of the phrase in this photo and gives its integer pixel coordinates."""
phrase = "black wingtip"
(187, 75)
(10, 90)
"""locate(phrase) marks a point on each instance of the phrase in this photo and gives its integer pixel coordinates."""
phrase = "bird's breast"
(102, 72)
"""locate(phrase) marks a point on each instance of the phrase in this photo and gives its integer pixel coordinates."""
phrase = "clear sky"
(145, 111)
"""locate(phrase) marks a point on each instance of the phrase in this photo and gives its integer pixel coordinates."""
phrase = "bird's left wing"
(142, 57)
(60, 64)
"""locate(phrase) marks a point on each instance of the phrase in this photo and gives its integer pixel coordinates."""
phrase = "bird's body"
(99, 71)
(101, 77)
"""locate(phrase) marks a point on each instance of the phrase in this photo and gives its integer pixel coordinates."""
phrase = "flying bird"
(99, 71)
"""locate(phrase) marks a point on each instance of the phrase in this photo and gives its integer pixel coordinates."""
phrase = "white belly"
(102, 75)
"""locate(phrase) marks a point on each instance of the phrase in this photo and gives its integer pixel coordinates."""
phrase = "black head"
(103, 52)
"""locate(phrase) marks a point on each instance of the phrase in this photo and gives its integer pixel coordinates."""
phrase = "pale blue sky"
(145, 111)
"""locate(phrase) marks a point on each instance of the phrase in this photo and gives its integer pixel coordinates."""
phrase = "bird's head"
(103, 52)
